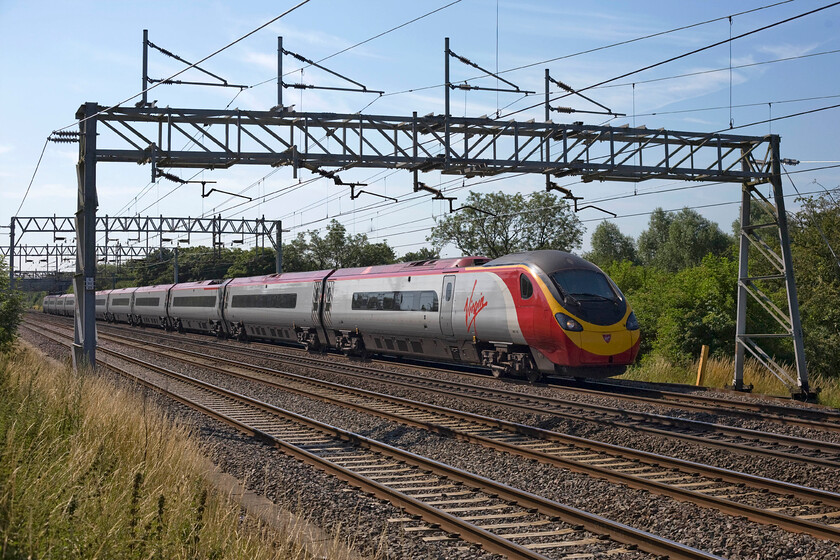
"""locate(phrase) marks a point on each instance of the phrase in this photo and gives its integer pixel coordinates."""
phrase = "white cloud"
(262, 60)
(787, 50)
(6, 148)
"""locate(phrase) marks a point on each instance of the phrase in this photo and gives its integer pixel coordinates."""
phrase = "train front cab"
(575, 320)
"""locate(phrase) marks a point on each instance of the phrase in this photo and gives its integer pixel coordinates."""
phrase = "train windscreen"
(589, 295)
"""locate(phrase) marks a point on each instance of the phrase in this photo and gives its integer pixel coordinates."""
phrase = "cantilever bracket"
(361, 87)
(552, 186)
(147, 80)
(468, 87)
(204, 193)
(354, 195)
(569, 89)
(419, 186)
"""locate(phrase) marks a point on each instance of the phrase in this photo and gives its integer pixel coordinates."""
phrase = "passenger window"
(449, 291)
(525, 287)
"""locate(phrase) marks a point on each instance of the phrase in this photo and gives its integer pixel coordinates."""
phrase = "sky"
(57, 55)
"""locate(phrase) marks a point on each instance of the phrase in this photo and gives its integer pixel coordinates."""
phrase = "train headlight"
(567, 323)
(632, 322)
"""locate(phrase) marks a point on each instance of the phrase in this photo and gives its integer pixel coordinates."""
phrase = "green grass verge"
(719, 374)
(90, 471)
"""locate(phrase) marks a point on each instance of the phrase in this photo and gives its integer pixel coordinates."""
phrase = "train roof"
(118, 291)
(548, 260)
(309, 276)
(431, 265)
(155, 288)
(200, 284)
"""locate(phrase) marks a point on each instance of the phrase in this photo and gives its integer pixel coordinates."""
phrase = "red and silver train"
(526, 314)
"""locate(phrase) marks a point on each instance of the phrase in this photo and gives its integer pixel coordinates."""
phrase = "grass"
(719, 373)
(88, 470)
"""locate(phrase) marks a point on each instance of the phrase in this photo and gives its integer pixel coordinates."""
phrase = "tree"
(610, 245)
(254, 262)
(653, 239)
(11, 310)
(337, 249)
(682, 240)
(497, 224)
(815, 245)
(423, 254)
(681, 312)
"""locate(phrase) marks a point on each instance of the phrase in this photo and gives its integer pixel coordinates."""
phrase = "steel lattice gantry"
(159, 226)
(192, 138)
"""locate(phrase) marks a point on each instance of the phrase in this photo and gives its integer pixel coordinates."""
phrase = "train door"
(316, 302)
(328, 296)
(446, 305)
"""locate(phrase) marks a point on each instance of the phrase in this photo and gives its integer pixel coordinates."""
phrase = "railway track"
(730, 438)
(802, 415)
(789, 506)
(444, 502)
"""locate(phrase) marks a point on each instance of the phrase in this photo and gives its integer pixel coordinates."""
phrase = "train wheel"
(534, 375)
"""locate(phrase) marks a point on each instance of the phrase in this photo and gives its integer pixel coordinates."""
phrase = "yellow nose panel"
(607, 343)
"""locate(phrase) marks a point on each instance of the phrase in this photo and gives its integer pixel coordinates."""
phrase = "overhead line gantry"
(467, 146)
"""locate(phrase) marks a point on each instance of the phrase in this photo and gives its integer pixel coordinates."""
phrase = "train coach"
(524, 315)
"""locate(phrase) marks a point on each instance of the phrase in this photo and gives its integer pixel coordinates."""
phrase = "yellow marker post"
(704, 356)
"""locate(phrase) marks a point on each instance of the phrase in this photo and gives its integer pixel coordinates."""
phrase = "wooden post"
(701, 369)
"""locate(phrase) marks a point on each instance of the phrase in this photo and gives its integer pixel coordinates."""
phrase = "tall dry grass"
(719, 373)
(88, 470)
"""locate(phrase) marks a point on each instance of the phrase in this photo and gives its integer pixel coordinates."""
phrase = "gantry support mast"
(453, 145)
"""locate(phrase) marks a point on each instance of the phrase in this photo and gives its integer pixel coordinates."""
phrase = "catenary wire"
(193, 65)
(596, 49)
(682, 55)
(34, 173)
(360, 43)
(648, 36)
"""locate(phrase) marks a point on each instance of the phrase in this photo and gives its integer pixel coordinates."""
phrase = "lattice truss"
(467, 146)
(158, 227)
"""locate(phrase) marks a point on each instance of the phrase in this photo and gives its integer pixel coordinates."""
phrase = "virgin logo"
(472, 308)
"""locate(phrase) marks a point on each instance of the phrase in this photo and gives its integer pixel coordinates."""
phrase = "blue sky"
(54, 56)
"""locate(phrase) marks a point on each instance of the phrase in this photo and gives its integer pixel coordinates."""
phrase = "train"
(524, 315)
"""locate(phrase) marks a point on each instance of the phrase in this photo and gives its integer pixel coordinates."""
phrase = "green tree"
(423, 254)
(682, 240)
(681, 312)
(254, 262)
(497, 224)
(338, 249)
(11, 310)
(610, 245)
(815, 245)
(653, 239)
(296, 257)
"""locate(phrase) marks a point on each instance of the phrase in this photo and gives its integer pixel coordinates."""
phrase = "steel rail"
(787, 522)
(466, 433)
(662, 425)
(616, 531)
(553, 406)
(818, 419)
